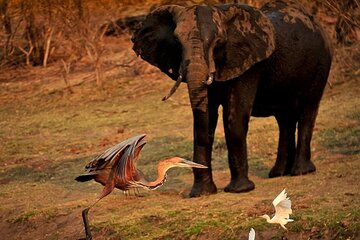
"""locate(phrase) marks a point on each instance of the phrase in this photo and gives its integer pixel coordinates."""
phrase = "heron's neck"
(159, 181)
(267, 218)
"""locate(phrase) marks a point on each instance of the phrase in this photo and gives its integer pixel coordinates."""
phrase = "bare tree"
(65, 74)
(65, 32)
(48, 36)
(348, 21)
(33, 31)
(6, 22)
(29, 51)
(79, 8)
(95, 50)
(5, 18)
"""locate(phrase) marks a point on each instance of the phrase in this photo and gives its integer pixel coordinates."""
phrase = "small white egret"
(282, 206)
(252, 234)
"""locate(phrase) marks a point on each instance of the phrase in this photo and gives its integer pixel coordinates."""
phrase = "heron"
(116, 168)
(282, 205)
(251, 234)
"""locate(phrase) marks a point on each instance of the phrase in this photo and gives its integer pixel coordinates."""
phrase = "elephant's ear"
(156, 43)
(249, 38)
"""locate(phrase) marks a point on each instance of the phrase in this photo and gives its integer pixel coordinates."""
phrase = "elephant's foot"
(281, 169)
(240, 185)
(276, 172)
(302, 168)
(203, 188)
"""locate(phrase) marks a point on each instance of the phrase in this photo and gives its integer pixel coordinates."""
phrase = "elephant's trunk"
(196, 75)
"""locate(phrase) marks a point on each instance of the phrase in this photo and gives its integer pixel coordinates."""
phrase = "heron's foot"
(302, 168)
(86, 224)
(86, 238)
(203, 188)
(238, 185)
(85, 212)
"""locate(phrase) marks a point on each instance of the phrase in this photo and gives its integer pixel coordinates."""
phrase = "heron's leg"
(86, 220)
(86, 223)
(137, 192)
(283, 227)
(106, 191)
(131, 192)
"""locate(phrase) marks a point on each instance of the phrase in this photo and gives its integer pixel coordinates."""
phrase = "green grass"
(346, 139)
(24, 217)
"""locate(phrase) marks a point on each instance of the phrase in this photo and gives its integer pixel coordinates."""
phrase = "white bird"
(252, 234)
(282, 206)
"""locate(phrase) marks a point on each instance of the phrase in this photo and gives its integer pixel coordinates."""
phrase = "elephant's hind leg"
(311, 101)
(286, 148)
(303, 163)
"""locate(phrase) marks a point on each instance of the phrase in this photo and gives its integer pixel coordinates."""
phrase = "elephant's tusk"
(173, 89)
(209, 80)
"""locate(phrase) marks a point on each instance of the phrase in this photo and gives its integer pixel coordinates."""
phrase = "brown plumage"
(116, 168)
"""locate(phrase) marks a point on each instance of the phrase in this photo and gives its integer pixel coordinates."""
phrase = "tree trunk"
(6, 22)
(33, 33)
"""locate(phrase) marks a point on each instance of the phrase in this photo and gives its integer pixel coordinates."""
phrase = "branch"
(66, 72)
(47, 47)
(27, 53)
(338, 11)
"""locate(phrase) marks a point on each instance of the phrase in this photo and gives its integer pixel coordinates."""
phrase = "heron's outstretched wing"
(252, 234)
(111, 156)
(282, 205)
(126, 163)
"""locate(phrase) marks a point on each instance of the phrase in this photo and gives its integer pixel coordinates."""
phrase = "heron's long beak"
(187, 163)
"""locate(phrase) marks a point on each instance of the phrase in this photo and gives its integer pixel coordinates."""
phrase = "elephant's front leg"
(204, 130)
(236, 116)
(235, 134)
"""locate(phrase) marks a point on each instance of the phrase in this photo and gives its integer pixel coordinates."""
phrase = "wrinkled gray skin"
(272, 61)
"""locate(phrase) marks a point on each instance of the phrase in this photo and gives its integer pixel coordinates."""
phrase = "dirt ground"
(48, 135)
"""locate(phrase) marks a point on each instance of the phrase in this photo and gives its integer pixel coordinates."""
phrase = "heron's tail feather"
(85, 177)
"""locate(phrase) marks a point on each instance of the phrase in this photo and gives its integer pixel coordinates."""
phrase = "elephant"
(261, 62)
